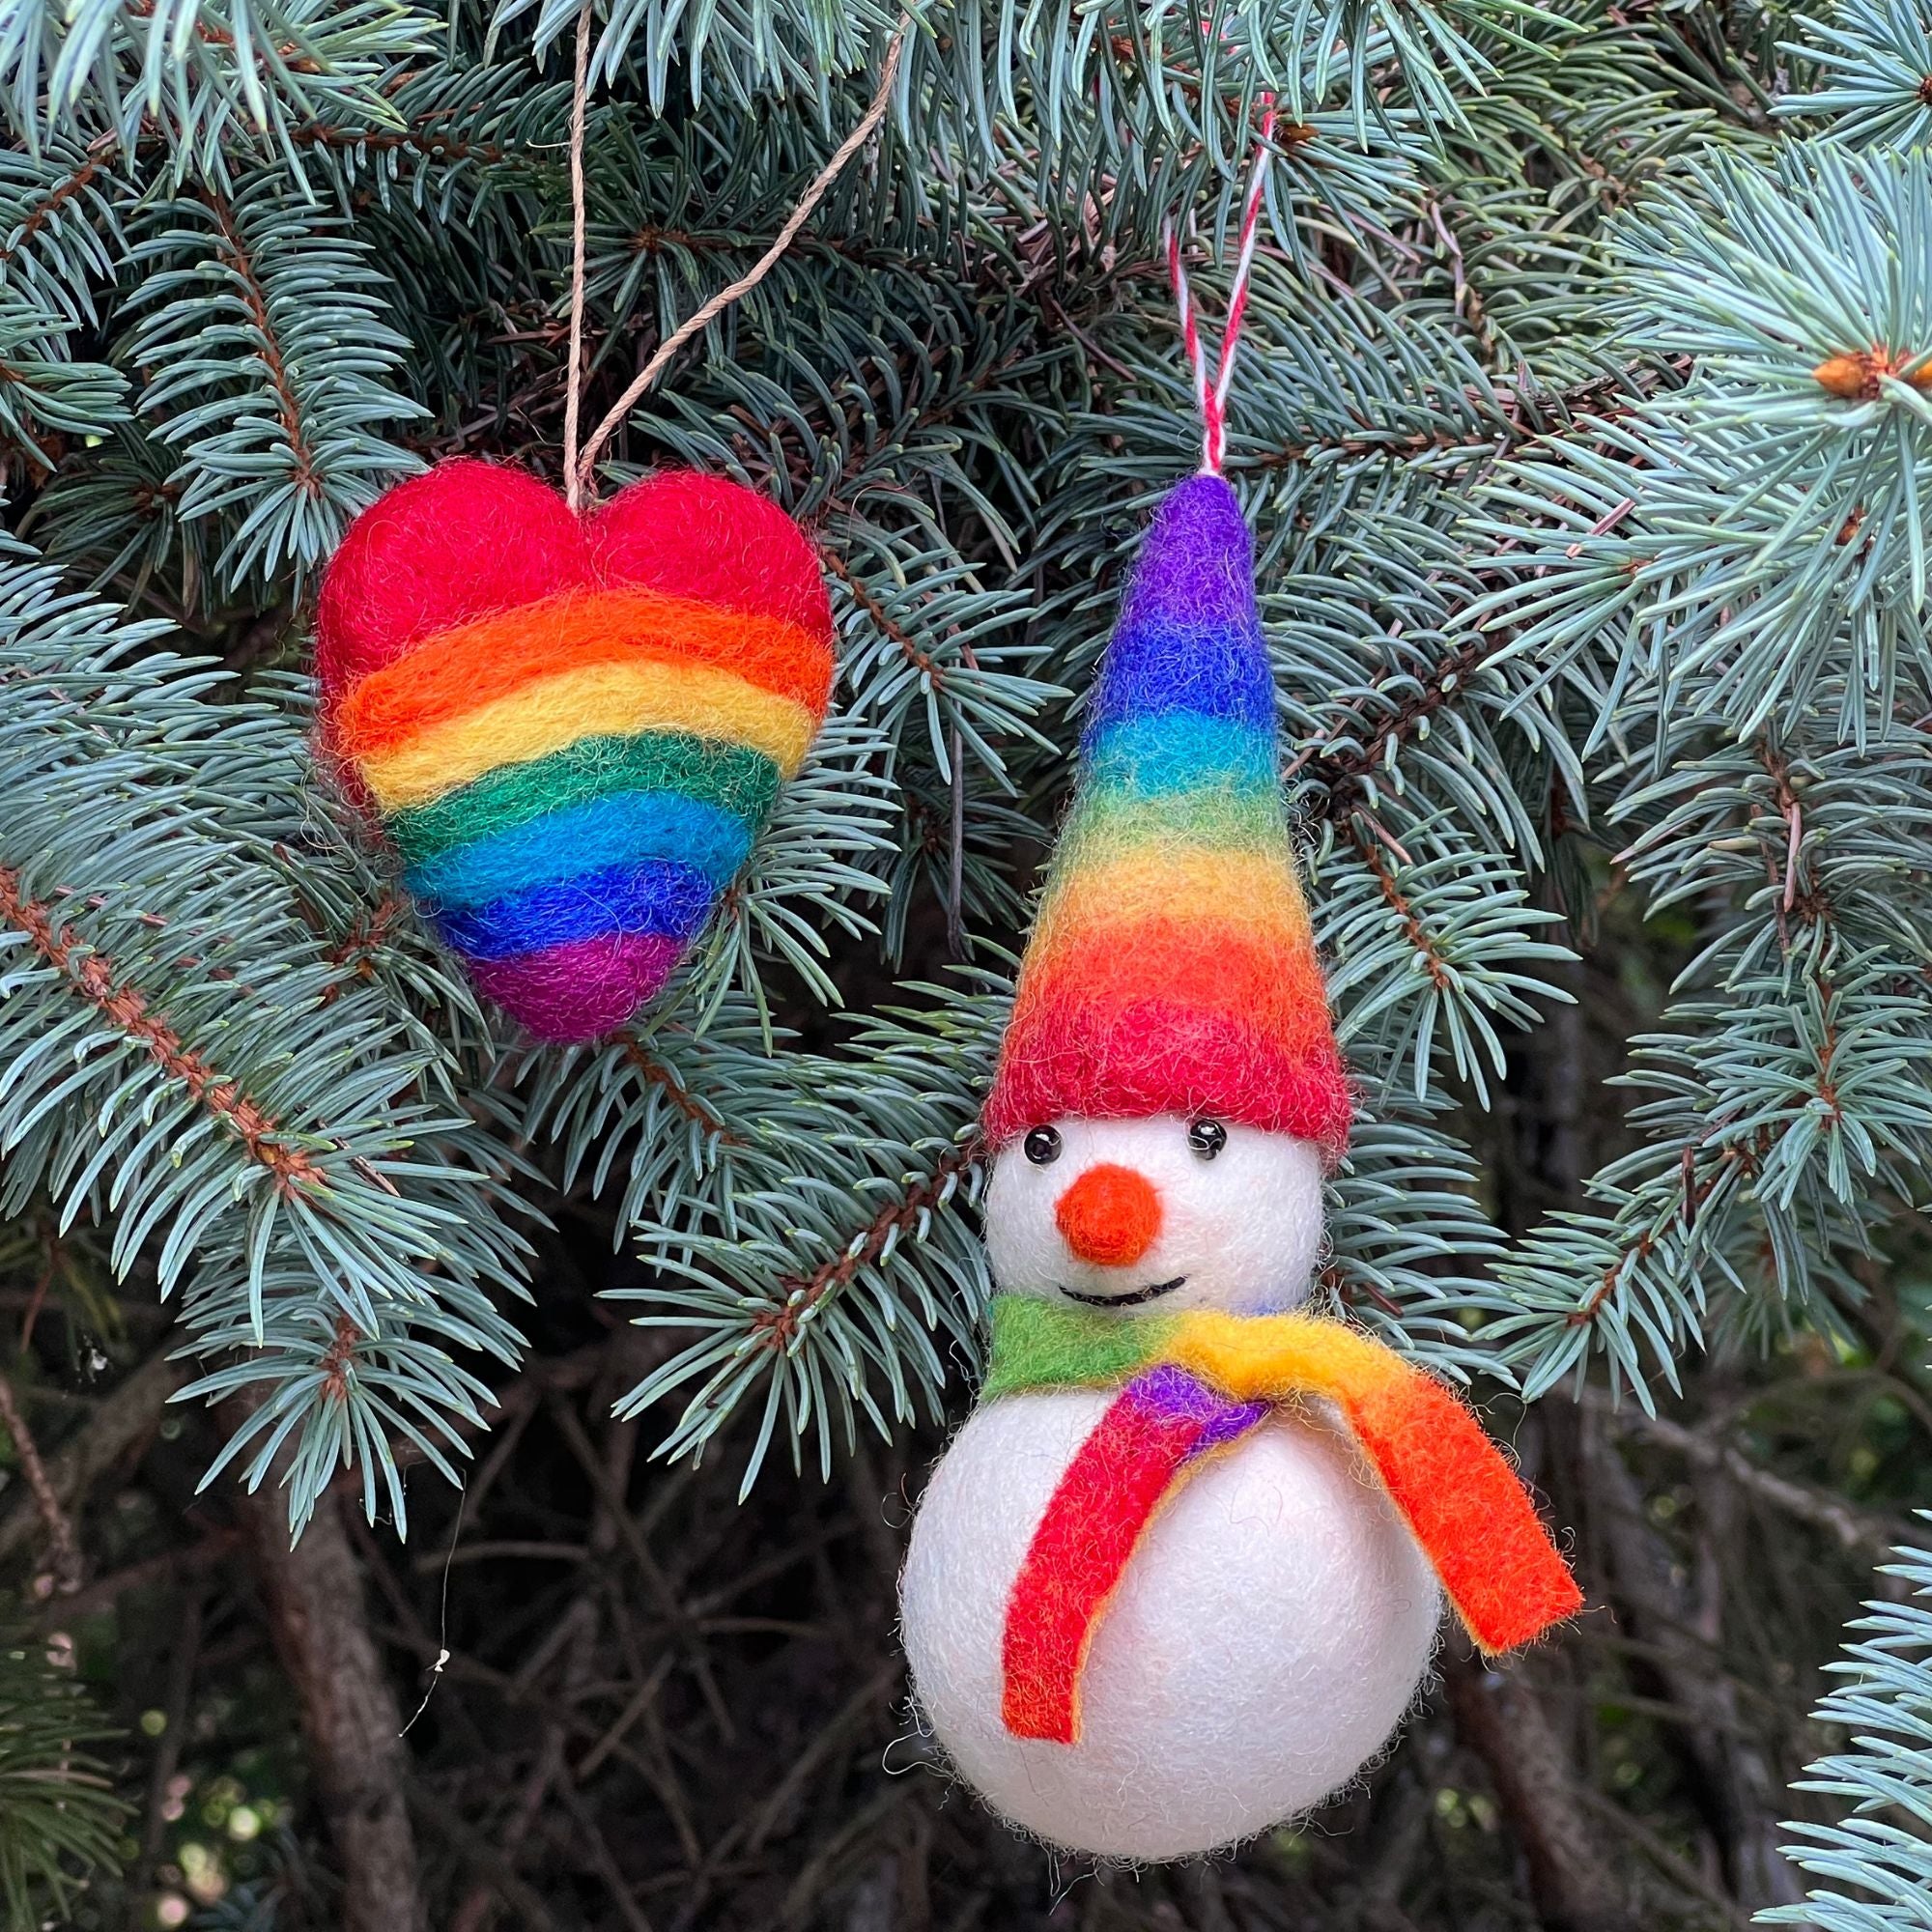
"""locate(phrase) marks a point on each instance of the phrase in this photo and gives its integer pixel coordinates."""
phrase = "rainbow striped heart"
(572, 730)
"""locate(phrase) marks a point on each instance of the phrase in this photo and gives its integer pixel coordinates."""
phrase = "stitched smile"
(1132, 1301)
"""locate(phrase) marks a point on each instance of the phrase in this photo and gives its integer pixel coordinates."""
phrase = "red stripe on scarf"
(1096, 1515)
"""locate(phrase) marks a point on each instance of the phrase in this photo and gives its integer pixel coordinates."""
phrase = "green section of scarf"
(1045, 1345)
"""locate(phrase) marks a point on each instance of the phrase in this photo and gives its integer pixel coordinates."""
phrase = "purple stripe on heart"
(581, 988)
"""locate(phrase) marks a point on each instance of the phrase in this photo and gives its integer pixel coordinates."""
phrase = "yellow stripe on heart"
(601, 700)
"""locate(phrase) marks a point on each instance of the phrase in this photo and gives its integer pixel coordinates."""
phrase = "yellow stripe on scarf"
(1465, 1503)
(1265, 1358)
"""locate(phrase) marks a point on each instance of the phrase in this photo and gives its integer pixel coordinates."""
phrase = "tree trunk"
(313, 1593)
(1574, 1885)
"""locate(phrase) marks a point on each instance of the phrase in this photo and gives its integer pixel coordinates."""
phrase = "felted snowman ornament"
(1179, 1577)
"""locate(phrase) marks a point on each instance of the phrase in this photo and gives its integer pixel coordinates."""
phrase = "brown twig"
(67, 1563)
(182, 1664)
(616, 1883)
(1696, 1193)
(288, 54)
(922, 660)
(1863, 1532)
(552, 1770)
(578, 1626)
(701, 317)
(1680, 1610)
(1397, 901)
(123, 1420)
(389, 141)
(57, 197)
(1678, 1870)
(805, 1291)
(307, 476)
(1599, 400)
(622, 1526)
(1499, 1716)
(1603, 525)
(1427, 698)
(215, 1546)
(448, 1824)
(42, 1285)
(367, 935)
(350, 1715)
(682, 1099)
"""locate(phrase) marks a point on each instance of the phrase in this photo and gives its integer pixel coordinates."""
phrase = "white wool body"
(1241, 1231)
(1270, 1631)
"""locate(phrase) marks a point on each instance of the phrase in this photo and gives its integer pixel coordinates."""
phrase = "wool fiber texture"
(1151, 1436)
(1465, 1506)
(571, 729)
(1172, 969)
(1260, 1645)
(1242, 1232)
(1110, 1216)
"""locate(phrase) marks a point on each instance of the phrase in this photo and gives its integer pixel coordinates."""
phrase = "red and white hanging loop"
(1210, 394)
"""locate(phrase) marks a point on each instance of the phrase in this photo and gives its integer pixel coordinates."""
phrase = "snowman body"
(1275, 1617)
(1266, 1637)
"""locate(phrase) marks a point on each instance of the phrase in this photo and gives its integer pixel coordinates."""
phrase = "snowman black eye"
(1042, 1146)
(1206, 1138)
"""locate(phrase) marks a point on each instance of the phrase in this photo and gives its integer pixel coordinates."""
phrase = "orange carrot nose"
(1110, 1215)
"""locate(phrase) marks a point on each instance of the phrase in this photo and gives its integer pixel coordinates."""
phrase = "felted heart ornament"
(572, 728)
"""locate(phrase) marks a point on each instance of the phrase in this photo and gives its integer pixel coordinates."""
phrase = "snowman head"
(1163, 1213)
(1168, 1093)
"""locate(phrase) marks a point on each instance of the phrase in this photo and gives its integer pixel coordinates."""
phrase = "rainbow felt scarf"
(1195, 1384)
(572, 784)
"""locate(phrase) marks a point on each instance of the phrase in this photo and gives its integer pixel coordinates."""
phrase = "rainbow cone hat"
(1172, 969)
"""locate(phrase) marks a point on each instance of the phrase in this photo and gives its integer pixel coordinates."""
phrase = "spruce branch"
(311, 1170)
(204, 77)
(46, 394)
(1873, 1861)
(262, 323)
(92, 977)
(1870, 63)
(776, 1328)
(888, 1127)
(585, 464)
(60, 223)
(60, 1820)
(1583, 453)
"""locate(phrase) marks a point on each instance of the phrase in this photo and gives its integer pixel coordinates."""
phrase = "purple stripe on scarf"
(1173, 1392)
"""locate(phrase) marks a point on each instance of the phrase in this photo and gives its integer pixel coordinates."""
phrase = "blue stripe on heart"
(657, 896)
(601, 836)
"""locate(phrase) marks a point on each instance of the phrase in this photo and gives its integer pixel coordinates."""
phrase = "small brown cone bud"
(1844, 376)
(1855, 377)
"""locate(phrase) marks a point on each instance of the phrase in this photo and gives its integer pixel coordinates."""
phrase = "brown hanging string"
(580, 466)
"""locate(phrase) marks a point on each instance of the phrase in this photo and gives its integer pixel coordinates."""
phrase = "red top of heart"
(469, 538)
